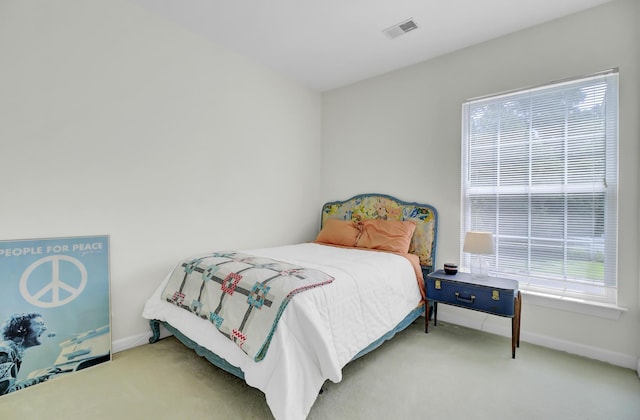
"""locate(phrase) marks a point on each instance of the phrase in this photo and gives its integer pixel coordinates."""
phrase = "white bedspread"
(321, 330)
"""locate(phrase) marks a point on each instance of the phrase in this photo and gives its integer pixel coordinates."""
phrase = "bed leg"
(155, 330)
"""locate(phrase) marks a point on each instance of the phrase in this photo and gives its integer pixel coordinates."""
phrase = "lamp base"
(479, 268)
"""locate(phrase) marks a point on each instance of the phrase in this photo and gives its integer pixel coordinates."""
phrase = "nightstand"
(493, 295)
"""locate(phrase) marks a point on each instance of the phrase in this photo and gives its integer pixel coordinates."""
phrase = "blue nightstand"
(493, 295)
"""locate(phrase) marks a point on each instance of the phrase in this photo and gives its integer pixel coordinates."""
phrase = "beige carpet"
(450, 373)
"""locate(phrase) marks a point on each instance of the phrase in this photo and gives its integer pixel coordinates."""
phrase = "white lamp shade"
(479, 243)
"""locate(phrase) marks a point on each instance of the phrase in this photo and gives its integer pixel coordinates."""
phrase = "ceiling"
(326, 44)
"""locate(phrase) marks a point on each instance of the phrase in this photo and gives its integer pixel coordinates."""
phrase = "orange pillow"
(339, 232)
(386, 235)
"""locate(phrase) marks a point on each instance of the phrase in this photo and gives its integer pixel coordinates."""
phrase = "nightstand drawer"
(479, 297)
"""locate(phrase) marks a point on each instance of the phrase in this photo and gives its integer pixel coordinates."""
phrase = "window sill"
(601, 310)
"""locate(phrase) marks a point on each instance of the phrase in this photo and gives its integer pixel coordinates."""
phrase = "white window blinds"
(539, 170)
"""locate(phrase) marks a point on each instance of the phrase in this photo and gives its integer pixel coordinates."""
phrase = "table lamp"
(480, 243)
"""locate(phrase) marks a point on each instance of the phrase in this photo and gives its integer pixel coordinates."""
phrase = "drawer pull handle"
(466, 300)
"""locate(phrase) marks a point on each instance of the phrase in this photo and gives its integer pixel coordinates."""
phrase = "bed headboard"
(380, 206)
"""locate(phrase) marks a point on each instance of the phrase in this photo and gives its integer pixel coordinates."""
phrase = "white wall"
(400, 134)
(116, 122)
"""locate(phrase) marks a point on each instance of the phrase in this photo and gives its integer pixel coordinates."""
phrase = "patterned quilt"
(243, 295)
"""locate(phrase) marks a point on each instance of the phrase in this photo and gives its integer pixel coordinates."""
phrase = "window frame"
(605, 293)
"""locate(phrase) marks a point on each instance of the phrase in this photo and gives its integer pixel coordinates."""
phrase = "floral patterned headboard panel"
(378, 206)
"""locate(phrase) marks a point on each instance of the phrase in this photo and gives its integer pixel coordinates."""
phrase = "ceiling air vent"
(400, 28)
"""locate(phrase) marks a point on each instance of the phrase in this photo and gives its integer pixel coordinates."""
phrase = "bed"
(331, 300)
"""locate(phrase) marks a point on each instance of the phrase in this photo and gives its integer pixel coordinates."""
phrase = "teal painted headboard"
(380, 206)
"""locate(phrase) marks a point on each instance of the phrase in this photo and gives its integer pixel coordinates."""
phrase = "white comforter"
(321, 330)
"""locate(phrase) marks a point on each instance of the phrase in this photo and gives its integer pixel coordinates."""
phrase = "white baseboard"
(618, 359)
(130, 342)
(591, 352)
(136, 340)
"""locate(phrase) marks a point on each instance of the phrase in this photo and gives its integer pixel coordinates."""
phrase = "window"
(539, 170)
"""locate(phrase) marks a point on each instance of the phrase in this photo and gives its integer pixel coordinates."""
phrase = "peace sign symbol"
(55, 286)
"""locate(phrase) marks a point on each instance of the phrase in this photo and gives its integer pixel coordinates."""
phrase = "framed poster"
(54, 308)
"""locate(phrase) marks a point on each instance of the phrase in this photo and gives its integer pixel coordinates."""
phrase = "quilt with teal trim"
(242, 295)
